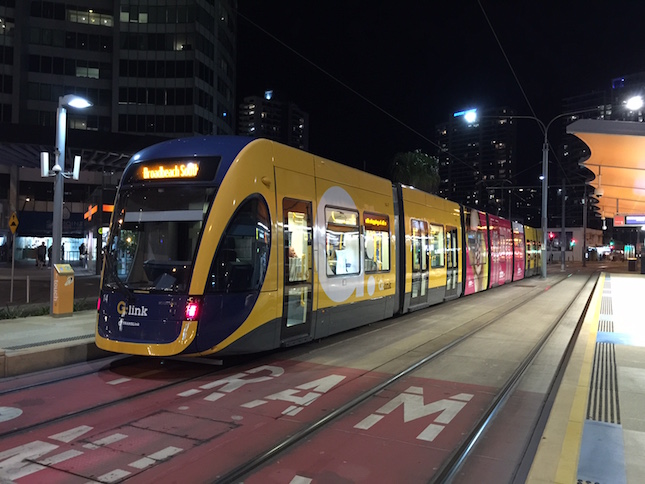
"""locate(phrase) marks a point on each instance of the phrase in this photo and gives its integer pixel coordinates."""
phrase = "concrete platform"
(34, 343)
(596, 429)
(42, 342)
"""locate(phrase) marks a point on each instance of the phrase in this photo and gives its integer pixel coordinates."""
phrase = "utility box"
(63, 292)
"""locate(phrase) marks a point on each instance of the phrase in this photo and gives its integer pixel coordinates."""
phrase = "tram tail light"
(192, 310)
(98, 305)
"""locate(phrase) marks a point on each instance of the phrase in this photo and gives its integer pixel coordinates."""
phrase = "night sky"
(419, 61)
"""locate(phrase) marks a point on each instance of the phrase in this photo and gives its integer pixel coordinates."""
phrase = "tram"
(232, 245)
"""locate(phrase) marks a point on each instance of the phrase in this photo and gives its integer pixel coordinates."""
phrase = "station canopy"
(618, 161)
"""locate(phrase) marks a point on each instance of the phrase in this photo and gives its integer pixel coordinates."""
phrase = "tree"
(417, 169)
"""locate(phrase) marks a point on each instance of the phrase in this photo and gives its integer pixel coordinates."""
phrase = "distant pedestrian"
(49, 256)
(82, 254)
(62, 252)
(40, 252)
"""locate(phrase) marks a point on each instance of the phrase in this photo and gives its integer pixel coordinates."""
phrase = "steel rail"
(450, 467)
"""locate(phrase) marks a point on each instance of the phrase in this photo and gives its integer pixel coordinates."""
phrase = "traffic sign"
(13, 223)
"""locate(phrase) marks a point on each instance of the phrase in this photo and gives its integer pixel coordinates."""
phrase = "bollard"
(27, 289)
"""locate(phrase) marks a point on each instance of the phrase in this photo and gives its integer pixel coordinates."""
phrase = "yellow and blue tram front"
(159, 295)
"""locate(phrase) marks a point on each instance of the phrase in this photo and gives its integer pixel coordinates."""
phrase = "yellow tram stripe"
(186, 336)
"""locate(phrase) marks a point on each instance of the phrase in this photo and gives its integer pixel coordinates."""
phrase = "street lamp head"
(74, 101)
(471, 115)
(634, 103)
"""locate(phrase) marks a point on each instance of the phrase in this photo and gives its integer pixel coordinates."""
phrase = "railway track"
(451, 466)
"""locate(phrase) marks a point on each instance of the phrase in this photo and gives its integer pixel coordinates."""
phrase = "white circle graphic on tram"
(9, 413)
(371, 285)
(338, 286)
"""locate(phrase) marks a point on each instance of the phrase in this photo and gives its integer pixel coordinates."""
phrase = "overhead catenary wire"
(521, 88)
(353, 91)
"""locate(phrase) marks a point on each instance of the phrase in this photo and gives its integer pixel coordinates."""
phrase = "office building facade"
(153, 70)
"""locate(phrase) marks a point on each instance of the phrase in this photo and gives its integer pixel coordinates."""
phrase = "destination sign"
(189, 169)
(376, 222)
(163, 172)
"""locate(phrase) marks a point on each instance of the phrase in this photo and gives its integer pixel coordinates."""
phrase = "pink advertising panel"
(501, 250)
(476, 251)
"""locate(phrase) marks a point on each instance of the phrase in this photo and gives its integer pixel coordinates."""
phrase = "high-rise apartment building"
(270, 117)
(477, 158)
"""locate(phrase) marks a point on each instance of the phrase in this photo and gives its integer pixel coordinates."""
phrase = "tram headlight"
(192, 309)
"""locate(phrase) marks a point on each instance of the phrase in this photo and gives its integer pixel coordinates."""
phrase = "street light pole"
(471, 115)
(59, 175)
(58, 169)
(584, 229)
(545, 193)
(545, 173)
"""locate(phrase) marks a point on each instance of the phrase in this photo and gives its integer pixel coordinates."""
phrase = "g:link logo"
(130, 310)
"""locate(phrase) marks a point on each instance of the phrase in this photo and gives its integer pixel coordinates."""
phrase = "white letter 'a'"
(317, 387)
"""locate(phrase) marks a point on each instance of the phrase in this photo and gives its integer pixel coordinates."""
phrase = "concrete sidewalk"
(42, 342)
(34, 343)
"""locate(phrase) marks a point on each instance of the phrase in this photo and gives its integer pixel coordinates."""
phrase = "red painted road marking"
(400, 436)
(222, 422)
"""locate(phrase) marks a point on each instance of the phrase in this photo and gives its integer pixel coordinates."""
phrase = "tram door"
(298, 273)
(420, 251)
(452, 263)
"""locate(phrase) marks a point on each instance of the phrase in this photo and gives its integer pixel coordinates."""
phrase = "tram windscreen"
(153, 237)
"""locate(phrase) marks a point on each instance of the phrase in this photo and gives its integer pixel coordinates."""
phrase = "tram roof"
(227, 147)
(618, 162)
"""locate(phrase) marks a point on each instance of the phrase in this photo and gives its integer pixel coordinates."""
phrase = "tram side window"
(451, 246)
(241, 259)
(377, 242)
(419, 245)
(342, 242)
(437, 253)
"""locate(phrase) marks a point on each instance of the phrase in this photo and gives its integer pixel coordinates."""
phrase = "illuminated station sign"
(629, 220)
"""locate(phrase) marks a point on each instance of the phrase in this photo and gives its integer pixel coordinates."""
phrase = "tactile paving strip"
(50, 342)
(603, 404)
